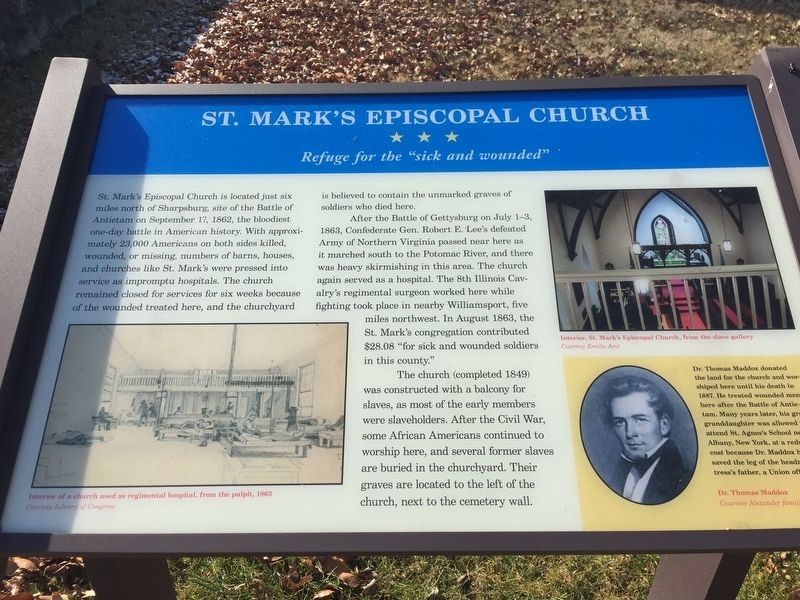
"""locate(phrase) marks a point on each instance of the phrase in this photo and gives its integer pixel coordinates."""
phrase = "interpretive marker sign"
(493, 317)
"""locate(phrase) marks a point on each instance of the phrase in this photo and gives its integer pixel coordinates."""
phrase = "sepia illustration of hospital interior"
(197, 405)
(691, 259)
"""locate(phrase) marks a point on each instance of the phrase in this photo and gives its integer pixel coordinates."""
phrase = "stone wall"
(26, 23)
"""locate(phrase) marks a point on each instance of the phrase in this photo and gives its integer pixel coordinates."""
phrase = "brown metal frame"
(778, 70)
(33, 245)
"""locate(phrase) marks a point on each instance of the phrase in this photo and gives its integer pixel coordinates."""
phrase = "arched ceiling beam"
(584, 202)
(727, 203)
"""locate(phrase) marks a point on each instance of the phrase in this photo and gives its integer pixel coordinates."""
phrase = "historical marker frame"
(33, 246)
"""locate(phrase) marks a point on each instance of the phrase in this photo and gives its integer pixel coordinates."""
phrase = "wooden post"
(700, 576)
(121, 578)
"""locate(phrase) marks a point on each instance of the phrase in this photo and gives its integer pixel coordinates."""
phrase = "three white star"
(397, 137)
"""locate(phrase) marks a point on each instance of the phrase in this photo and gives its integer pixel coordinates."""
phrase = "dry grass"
(606, 577)
(617, 577)
(684, 38)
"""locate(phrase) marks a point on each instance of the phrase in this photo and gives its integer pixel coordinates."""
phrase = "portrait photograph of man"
(638, 435)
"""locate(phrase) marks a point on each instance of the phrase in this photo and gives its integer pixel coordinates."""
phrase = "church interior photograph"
(197, 404)
(627, 260)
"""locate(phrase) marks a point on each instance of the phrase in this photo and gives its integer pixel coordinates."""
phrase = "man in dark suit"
(651, 469)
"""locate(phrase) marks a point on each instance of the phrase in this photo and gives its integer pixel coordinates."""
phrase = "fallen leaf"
(328, 594)
(62, 569)
(25, 564)
(10, 567)
(292, 581)
(351, 579)
(770, 567)
(332, 564)
(291, 585)
(464, 582)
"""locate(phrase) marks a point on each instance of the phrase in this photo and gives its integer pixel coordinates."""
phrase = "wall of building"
(756, 247)
(328, 353)
(79, 387)
(266, 348)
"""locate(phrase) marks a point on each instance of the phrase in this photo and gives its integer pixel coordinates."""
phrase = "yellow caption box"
(736, 422)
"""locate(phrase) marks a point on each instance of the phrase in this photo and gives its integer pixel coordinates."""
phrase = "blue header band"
(646, 128)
